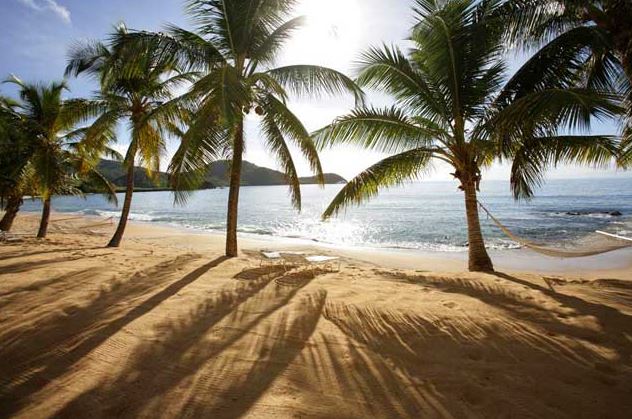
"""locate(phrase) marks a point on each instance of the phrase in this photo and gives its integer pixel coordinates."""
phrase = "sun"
(331, 34)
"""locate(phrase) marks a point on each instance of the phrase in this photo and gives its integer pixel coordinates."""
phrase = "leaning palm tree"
(14, 154)
(51, 158)
(593, 37)
(136, 86)
(452, 105)
(234, 46)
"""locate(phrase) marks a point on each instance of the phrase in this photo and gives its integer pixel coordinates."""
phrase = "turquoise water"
(428, 216)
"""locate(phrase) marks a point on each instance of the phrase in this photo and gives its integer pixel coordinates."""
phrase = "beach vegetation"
(454, 104)
(137, 87)
(49, 153)
(234, 46)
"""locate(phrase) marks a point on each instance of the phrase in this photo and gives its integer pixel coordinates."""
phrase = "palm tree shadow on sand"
(54, 345)
(422, 364)
(353, 360)
(218, 360)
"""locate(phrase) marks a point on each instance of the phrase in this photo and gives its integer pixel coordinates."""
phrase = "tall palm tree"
(136, 86)
(234, 45)
(592, 37)
(51, 157)
(452, 104)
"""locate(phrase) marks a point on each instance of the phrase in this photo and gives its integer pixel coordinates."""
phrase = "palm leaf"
(392, 171)
(315, 81)
(276, 144)
(289, 125)
(535, 155)
(387, 130)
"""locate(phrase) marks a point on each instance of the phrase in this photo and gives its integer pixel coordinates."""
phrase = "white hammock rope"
(620, 243)
(78, 229)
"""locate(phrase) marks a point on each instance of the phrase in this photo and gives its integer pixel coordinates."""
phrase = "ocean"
(429, 216)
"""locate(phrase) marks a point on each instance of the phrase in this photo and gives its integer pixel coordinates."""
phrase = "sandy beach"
(167, 327)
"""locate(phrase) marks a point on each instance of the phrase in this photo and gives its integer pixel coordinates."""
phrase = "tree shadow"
(20, 254)
(614, 327)
(412, 365)
(28, 266)
(74, 276)
(51, 347)
(187, 373)
(280, 343)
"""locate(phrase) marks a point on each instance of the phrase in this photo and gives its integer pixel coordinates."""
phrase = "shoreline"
(522, 260)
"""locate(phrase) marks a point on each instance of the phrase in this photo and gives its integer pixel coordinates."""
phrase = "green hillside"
(252, 175)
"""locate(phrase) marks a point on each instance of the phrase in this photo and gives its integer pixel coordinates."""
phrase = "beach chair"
(6, 237)
(311, 262)
(267, 258)
(329, 262)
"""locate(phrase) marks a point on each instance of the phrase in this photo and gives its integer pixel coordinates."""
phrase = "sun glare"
(331, 34)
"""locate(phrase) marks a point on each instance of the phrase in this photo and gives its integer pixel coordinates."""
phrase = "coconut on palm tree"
(51, 156)
(453, 104)
(137, 87)
(234, 46)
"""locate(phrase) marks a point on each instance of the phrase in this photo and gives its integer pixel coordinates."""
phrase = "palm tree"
(589, 37)
(234, 46)
(596, 33)
(14, 154)
(452, 104)
(51, 159)
(137, 86)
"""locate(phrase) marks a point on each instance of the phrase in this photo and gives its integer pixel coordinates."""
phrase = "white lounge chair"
(6, 237)
(313, 261)
(293, 259)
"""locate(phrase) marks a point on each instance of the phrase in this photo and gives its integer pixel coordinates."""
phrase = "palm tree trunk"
(233, 194)
(43, 228)
(127, 204)
(14, 202)
(479, 260)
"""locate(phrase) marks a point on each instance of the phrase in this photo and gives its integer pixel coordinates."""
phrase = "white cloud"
(49, 5)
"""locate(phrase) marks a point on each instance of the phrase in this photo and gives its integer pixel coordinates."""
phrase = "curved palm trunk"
(233, 194)
(43, 228)
(479, 260)
(14, 202)
(127, 204)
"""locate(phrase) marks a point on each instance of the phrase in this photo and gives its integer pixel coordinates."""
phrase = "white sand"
(167, 327)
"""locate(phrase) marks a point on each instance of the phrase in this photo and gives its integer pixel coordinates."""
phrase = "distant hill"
(253, 175)
(217, 176)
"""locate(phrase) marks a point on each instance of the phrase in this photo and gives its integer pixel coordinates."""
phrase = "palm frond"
(553, 109)
(392, 171)
(269, 48)
(534, 156)
(557, 65)
(276, 144)
(203, 143)
(290, 126)
(102, 184)
(87, 57)
(316, 81)
(388, 69)
(387, 130)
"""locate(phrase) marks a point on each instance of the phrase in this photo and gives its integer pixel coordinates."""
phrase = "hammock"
(81, 229)
(603, 247)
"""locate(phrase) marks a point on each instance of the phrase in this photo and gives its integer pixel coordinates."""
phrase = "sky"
(35, 36)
